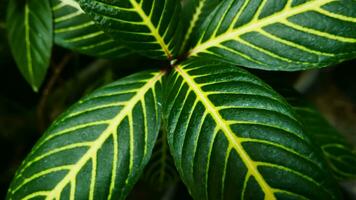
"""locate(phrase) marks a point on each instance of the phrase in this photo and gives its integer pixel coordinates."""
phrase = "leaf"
(160, 171)
(149, 26)
(76, 31)
(233, 137)
(341, 156)
(194, 13)
(97, 149)
(283, 35)
(30, 32)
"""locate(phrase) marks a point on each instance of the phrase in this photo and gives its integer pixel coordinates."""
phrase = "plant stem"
(57, 70)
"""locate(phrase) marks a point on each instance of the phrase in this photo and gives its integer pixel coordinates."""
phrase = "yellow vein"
(193, 22)
(188, 121)
(102, 43)
(74, 28)
(318, 33)
(84, 37)
(292, 44)
(68, 17)
(40, 174)
(132, 145)
(243, 55)
(336, 16)
(259, 11)
(237, 16)
(73, 4)
(145, 123)
(114, 164)
(169, 23)
(279, 146)
(218, 26)
(290, 170)
(246, 178)
(93, 177)
(234, 122)
(216, 131)
(252, 26)
(96, 108)
(35, 194)
(288, 4)
(73, 184)
(298, 196)
(229, 134)
(126, 51)
(67, 131)
(223, 178)
(28, 46)
(54, 151)
(155, 32)
(58, 6)
(110, 130)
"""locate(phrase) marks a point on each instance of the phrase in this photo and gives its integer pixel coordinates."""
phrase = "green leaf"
(233, 137)
(151, 27)
(341, 156)
(160, 171)
(29, 26)
(75, 30)
(194, 13)
(279, 35)
(97, 149)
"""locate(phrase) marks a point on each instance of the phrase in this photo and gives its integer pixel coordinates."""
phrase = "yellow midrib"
(28, 47)
(256, 25)
(232, 138)
(55, 193)
(152, 28)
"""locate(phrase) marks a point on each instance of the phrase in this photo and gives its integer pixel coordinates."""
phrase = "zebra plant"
(231, 136)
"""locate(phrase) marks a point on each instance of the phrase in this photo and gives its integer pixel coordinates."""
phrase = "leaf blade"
(195, 12)
(26, 21)
(150, 27)
(227, 135)
(341, 156)
(284, 36)
(75, 30)
(103, 139)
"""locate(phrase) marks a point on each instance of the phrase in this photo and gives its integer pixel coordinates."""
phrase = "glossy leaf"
(340, 155)
(75, 30)
(233, 137)
(97, 149)
(151, 27)
(29, 26)
(194, 13)
(279, 35)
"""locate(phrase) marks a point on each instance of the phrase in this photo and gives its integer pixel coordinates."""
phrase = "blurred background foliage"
(24, 115)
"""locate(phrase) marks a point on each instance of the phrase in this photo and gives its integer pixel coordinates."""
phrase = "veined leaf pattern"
(194, 13)
(75, 30)
(99, 148)
(279, 35)
(233, 137)
(340, 155)
(149, 26)
(29, 26)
